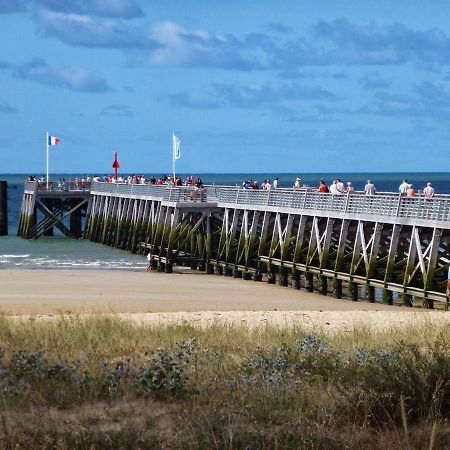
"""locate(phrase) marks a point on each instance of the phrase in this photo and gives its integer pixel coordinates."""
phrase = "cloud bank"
(70, 78)
(103, 8)
(6, 108)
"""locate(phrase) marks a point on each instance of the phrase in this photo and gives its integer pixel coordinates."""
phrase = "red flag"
(116, 165)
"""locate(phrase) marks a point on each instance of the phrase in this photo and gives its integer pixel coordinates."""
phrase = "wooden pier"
(299, 238)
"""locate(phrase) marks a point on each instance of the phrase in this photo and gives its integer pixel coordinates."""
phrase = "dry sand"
(196, 298)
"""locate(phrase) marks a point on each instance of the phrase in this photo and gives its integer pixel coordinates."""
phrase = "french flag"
(53, 140)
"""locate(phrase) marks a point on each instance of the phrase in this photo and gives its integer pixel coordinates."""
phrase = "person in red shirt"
(323, 187)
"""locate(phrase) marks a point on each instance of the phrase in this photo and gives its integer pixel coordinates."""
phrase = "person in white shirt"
(333, 188)
(429, 190)
(275, 183)
(340, 187)
(403, 187)
(369, 188)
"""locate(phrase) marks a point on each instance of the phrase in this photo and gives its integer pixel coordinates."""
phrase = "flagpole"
(173, 155)
(46, 143)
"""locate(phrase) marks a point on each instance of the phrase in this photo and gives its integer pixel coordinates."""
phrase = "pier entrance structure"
(45, 207)
(298, 238)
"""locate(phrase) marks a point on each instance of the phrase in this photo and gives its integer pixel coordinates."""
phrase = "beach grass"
(102, 381)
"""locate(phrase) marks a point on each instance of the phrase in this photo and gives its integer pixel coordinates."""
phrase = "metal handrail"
(57, 186)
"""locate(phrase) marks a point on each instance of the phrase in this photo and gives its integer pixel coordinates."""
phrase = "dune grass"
(103, 382)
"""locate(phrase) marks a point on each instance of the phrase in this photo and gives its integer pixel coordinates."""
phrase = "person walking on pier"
(369, 188)
(429, 190)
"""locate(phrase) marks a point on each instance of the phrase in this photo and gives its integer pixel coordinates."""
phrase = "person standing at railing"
(350, 188)
(410, 192)
(369, 188)
(333, 188)
(323, 188)
(297, 183)
(340, 187)
(275, 183)
(428, 191)
(403, 187)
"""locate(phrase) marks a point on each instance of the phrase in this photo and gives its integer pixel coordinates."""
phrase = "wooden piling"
(353, 291)
(388, 297)
(271, 277)
(337, 287)
(323, 284)
(237, 273)
(283, 277)
(3, 208)
(257, 276)
(295, 279)
(370, 294)
(406, 299)
(75, 221)
(309, 281)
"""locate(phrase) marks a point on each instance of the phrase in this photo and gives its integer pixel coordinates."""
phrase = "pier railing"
(31, 186)
(145, 190)
(166, 193)
(380, 204)
(385, 204)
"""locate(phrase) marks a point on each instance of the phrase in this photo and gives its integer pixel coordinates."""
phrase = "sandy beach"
(189, 297)
(87, 291)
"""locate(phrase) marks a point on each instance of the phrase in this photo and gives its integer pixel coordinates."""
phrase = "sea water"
(63, 253)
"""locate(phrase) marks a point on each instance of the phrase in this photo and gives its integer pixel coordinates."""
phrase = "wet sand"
(192, 297)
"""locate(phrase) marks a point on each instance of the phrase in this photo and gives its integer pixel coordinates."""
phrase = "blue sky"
(254, 86)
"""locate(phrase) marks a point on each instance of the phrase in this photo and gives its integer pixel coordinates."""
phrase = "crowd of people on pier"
(336, 187)
(165, 180)
(265, 185)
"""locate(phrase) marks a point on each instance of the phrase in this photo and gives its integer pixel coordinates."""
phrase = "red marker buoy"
(116, 165)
